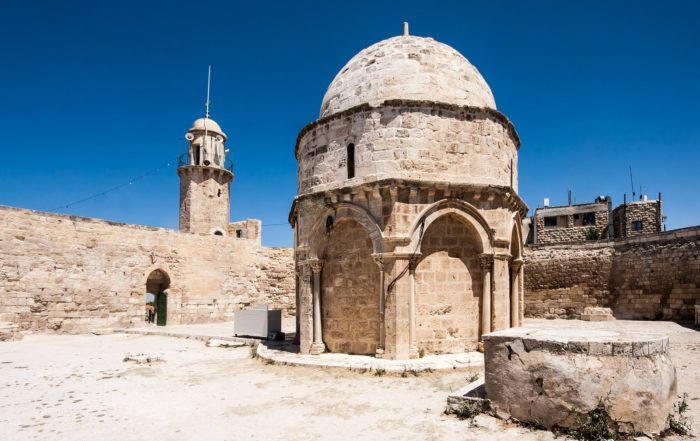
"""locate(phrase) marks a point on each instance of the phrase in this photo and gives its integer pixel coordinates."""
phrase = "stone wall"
(409, 140)
(350, 300)
(448, 289)
(646, 212)
(71, 274)
(650, 277)
(567, 230)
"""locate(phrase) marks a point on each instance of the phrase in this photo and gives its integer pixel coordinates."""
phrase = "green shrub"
(466, 410)
(597, 425)
(678, 422)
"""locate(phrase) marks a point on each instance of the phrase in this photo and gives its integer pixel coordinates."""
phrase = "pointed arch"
(463, 210)
(516, 237)
(338, 212)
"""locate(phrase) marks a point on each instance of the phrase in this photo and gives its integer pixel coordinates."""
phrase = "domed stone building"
(407, 218)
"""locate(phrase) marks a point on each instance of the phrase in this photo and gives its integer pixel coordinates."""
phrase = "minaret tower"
(205, 178)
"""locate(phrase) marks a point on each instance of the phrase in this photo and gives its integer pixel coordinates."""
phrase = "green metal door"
(161, 309)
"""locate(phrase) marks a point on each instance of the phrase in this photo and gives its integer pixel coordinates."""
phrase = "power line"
(112, 189)
(275, 225)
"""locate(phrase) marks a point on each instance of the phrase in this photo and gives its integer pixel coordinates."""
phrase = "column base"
(480, 346)
(317, 348)
(379, 353)
(413, 353)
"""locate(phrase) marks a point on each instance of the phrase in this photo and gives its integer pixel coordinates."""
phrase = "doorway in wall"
(157, 286)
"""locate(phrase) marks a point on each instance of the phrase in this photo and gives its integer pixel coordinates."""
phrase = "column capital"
(383, 259)
(486, 260)
(314, 264)
(516, 264)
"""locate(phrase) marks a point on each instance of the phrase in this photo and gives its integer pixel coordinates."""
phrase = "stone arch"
(516, 304)
(216, 231)
(465, 211)
(339, 212)
(157, 284)
(516, 238)
(449, 285)
(350, 290)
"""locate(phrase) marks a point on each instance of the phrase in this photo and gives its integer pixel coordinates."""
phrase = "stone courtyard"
(410, 269)
(79, 386)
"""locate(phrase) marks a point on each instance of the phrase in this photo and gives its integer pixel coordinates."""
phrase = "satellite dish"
(189, 136)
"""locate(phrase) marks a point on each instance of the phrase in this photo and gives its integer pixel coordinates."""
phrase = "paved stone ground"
(78, 387)
(289, 355)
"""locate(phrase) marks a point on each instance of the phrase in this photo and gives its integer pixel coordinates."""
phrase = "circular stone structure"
(407, 219)
(407, 67)
(553, 378)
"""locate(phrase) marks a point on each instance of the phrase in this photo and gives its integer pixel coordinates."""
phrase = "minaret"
(205, 178)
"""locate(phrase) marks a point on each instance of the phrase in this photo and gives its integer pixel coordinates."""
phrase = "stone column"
(305, 311)
(297, 305)
(486, 261)
(515, 266)
(382, 305)
(412, 344)
(521, 292)
(318, 347)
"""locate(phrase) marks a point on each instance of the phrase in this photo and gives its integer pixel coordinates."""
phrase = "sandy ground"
(79, 388)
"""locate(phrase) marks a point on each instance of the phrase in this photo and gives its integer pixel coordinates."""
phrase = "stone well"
(553, 378)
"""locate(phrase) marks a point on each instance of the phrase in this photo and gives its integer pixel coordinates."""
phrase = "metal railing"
(184, 160)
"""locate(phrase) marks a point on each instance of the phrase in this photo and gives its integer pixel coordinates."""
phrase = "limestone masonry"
(407, 221)
(73, 274)
(648, 277)
(553, 378)
(409, 232)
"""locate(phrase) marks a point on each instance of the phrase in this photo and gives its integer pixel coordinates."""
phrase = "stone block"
(632, 374)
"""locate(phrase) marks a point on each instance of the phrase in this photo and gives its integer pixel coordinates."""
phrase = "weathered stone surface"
(9, 331)
(650, 277)
(70, 274)
(552, 378)
(647, 213)
(570, 222)
(412, 153)
(597, 314)
(407, 67)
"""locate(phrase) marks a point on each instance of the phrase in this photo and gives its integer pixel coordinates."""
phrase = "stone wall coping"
(681, 233)
(95, 220)
(583, 341)
(571, 209)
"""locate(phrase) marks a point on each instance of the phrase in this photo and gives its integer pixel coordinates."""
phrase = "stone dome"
(409, 68)
(207, 124)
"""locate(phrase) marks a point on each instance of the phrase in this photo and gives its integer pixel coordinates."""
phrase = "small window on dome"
(351, 161)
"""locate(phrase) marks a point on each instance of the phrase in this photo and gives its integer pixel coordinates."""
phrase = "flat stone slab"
(597, 314)
(554, 377)
(365, 363)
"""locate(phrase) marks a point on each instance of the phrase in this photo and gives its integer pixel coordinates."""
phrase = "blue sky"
(95, 93)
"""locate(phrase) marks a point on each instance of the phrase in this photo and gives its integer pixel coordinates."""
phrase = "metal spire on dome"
(206, 114)
(405, 29)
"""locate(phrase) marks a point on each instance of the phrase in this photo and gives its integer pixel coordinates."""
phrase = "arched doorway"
(448, 287)
(157, 286)
(349, 287)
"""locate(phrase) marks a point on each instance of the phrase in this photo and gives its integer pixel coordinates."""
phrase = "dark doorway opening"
(157, 286)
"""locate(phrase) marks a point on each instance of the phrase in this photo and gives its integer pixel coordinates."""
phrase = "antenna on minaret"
(405, 29)
(206, 115)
